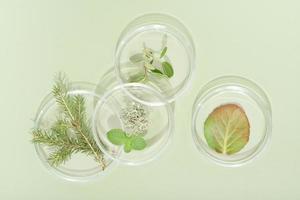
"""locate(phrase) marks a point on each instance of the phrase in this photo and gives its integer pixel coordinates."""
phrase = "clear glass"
(80, 168)
(109, 80)
(115, 110)
(156, 31)
(243, 92)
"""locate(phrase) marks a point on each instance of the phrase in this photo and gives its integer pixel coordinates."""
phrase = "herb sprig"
(71, 132)
(132, 142)
(153, 63)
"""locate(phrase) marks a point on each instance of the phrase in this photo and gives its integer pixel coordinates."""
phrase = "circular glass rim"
(253, 91)
(168, 106)
(45, 105)
(182, 34)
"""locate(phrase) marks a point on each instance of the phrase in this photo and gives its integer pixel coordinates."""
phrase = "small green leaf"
(227, 129)
(136, 58)
(138, 143)
(127, 146)
(117, 136)
(163, 52)
(136, 78)
(168, 69)
(156, 71)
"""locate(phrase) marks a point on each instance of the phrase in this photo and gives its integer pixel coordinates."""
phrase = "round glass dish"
(79, 168)
(127, 107)
(247, 95)
(154, 32)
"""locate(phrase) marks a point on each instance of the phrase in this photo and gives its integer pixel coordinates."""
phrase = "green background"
(257, 39)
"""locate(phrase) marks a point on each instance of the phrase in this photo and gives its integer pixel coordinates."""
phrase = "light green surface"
(258, 39)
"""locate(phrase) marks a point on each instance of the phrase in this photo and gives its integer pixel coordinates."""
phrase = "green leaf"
(117, 136)
(138, 143)
(227, 129)
(156, 71)
(136, 58)
(127, 147)
(163, 52)
(136, 78)
(168, 69)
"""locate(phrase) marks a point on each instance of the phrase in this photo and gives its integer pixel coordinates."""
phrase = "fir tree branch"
(73, 121)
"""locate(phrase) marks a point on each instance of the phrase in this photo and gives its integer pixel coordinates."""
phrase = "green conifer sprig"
(71, 133)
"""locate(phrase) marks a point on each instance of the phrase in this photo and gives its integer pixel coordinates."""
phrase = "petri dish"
(242, 93)
(127, 107)
(80, 168)
(145, 38)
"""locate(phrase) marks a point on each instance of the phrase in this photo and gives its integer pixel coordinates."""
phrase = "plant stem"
(77, 126)
(98, 158)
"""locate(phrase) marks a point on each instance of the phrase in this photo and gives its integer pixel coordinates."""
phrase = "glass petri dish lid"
(126, 107)
(232, 120)
(80, 167)
(146, 49)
